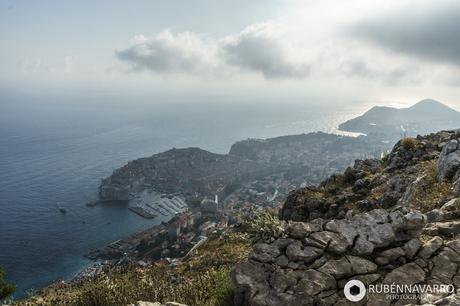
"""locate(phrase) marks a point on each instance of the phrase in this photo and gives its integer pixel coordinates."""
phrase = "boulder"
(339, 268)
(452, 205)
(449, 161)
(314, 282)
(389, 255)
(407, 274)
(142, 303)
(282, 261)
(297, 252)
(454, 245)
(344, 227)
(415, 220)
(250, 282)
(335, 242)
(265, 252)
(451, 300)
(362, 246)
(430, 247)
(447, 228)
(299, 230)
(444, 269)
(411, 247)
(451, 254)
(360, 265)
(347, 266)
(436, 215)
(282, 243)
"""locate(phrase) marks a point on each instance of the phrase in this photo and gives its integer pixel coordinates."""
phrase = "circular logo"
(354, 290)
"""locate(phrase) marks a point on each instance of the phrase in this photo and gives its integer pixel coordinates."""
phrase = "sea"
(54, 150)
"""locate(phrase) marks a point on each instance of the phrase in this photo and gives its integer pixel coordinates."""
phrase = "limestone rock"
(297, 252)
(430, 247)
(265, 252)
(335, 242)
(452, 205)
(447, 228)
(360, 265)
(415, 220)
(314, 282)
(142, 303)
(299, 230)
(449, 160)
(282, 261)
(444, 269)
(339, 268)
(407, 274)
(250, 280)
(389, 255)
(411, 247)
(454, 245)
(313, 268)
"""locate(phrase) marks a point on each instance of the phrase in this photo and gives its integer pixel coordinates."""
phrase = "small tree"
(6, 290)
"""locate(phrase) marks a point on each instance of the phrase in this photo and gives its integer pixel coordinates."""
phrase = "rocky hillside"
(419, 173)
(393, 221)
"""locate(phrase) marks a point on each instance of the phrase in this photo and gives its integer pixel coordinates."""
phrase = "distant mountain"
(424, 117)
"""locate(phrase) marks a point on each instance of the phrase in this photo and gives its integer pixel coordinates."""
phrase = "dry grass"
(203, 279)
(428, 193)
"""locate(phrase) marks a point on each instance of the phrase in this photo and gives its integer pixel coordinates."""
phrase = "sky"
(332, 51)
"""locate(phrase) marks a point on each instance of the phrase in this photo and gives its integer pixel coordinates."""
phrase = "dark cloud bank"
(429, 32)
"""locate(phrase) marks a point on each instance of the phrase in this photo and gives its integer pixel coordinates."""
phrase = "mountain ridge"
(425, 116)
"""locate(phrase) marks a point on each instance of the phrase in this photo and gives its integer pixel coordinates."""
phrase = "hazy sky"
(344, 51)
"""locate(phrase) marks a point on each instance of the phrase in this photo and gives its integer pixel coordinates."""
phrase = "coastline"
(140, 203)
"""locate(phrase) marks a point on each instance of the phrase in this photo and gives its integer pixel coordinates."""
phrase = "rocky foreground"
(384, 222)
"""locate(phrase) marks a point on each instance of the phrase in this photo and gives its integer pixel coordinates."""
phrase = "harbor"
(150, 204)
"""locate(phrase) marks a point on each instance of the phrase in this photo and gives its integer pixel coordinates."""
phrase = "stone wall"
(314, 261)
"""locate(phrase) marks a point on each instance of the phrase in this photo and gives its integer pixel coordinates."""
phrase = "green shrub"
(262, 226)
(409, 143)
(6, 290)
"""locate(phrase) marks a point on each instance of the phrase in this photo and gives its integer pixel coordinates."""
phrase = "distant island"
(391, 123)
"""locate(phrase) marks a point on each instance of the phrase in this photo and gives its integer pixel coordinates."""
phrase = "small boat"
(62, 210)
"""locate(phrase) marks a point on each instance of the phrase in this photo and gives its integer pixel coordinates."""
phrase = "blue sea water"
(54, 151)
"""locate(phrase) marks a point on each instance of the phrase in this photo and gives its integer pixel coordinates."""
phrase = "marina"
(150, 204)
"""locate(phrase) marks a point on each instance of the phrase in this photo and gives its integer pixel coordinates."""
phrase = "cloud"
(182, 53)
(427, 30)
(261, 48)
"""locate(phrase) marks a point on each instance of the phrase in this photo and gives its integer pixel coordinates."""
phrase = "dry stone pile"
(314, 261)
